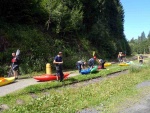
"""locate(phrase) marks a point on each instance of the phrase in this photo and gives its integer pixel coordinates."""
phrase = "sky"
(137, 18)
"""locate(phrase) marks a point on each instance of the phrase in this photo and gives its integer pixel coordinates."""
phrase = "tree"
(148, 36)
(143, 37)
(22, 11)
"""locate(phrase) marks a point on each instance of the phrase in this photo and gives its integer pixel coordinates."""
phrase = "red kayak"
(48, 77)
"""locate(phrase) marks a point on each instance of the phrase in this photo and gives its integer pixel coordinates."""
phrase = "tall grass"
(137, 67)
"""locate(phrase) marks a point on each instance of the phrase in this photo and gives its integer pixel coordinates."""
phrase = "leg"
(103, 65)
(15, 73)
(61, 74)
(79, 68)
(15, 70)
(57, 72)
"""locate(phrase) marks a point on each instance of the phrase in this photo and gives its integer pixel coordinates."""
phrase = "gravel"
(20, 84)
(143, 106)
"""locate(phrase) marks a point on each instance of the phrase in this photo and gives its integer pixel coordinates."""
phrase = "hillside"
(77, 28)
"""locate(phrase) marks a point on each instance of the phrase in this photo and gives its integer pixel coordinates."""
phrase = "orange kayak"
(49, 77)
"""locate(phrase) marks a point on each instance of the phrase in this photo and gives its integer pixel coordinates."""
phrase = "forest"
(140, 45)
(42, 28)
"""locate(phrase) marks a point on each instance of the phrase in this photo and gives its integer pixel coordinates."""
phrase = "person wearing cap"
(80, 65)
(91, 62)
(58, 61)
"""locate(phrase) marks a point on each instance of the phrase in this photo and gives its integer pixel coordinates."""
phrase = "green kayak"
(94, 69)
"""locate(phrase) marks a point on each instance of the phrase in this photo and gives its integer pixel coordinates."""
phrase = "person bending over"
(102, 62)
(80, 65)
(91, 62)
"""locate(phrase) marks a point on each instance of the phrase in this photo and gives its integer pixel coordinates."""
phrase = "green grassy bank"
(105, 95)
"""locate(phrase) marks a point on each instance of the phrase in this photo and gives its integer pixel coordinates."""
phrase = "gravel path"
(18, 84)
(21, 83)
(143, 106)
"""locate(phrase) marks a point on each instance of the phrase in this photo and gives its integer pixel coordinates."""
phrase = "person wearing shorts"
(15, 64)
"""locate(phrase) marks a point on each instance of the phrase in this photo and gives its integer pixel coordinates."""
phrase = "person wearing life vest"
(140, 59)
(15, 64)
(58, 61)
(80, 65)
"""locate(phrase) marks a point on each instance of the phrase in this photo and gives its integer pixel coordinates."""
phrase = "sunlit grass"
(104, 96)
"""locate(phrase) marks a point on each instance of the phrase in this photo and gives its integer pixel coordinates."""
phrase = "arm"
(57, 62)
(98, 61)
(138, 58)
(118, 56)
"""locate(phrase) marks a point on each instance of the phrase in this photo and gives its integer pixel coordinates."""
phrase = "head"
(94, 57)
(13, 54)
(60, 53)
(84, 63)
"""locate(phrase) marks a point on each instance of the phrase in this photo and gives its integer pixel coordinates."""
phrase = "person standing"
(120, 57)
(80, 65)
(58, 61)
(140, 59)
(15, 64)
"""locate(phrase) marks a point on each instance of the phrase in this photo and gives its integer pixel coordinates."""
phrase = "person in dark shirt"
(80, 65)
(91, 62)
(58, 61)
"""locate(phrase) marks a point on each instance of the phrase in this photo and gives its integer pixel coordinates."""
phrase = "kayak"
(107, 64)
(124, 64)
(49, 77)
(85, 71)
(94, 69)
(5, 81)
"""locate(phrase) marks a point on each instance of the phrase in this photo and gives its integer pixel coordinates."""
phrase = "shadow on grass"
(95, 72)
(71, 79)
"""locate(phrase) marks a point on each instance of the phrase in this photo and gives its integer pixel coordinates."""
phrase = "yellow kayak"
(123, 64)
(5, 81)
(107, 64)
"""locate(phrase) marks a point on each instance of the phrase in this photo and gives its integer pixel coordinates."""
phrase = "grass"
(104, 96)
